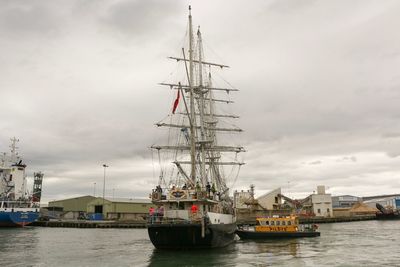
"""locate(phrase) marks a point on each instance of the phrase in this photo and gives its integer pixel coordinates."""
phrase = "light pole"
(94, 189)
(104, 184)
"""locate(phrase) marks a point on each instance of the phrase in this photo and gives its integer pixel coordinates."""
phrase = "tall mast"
(192, 109)
(202, 107)
(214, 157)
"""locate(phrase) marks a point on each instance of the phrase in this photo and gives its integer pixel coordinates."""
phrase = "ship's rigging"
(193, 147)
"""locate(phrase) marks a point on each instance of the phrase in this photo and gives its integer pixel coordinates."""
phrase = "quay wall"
(90, 224)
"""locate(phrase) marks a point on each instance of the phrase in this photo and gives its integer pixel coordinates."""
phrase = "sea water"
(366, 243)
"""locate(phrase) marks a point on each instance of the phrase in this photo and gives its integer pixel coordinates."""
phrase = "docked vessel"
(387, 213)
(278, 227)
(17, 206)
(194, 209)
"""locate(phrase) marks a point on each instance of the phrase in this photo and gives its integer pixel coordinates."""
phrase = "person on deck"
(160, 213)
(208, 189)
(194, 209)
(151, 213)
(213, 190)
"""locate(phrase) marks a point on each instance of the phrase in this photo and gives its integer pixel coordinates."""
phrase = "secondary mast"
(192, 109)
(201, 112)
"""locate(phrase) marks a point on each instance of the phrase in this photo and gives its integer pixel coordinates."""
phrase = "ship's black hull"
(243, 234)
(188, 236)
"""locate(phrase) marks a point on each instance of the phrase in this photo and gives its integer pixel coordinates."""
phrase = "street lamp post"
(94, 189)
(104, 184)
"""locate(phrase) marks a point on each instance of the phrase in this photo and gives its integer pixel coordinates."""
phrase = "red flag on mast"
(176, 102)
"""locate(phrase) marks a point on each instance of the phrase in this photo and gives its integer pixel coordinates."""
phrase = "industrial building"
(70, 208)
(240, 198)
(322, 203)
(318, 205)
(387, 201)
(120, 208)
(271, 200)
(108, 208)
(345, 201)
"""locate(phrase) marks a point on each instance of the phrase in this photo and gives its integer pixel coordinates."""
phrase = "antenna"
(14, 148)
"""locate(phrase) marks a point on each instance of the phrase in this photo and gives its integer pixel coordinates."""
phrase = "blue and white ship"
(18, 207)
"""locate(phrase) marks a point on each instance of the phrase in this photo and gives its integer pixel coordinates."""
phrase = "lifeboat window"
(266, 222)
(278, 222)
(283, 223)
(289, 223)
(272, 223)
(258, 223)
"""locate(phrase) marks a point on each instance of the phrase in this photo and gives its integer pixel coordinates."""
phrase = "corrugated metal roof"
(129, 200)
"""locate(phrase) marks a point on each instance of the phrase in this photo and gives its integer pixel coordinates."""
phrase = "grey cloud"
(25, 19)
(391, 135)
(138, 19)
(348, 159)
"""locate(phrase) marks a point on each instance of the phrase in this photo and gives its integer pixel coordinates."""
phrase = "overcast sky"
(319, 90)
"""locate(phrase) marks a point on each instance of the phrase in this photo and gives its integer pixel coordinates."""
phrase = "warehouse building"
(109, 208)
(388, 201)
(345, 201)
(318, 205)
(120, 208)
(71, 208)
(271, 200)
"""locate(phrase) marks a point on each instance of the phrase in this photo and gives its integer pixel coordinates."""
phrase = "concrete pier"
(90, 224)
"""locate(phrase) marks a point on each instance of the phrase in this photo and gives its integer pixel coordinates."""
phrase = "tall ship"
(18, 207)
(193, 208)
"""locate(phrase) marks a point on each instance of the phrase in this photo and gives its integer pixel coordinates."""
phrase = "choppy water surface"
(368, 243)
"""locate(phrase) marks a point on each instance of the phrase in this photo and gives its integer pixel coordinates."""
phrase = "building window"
(276, 199)
(327, 210)
(319, 211)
